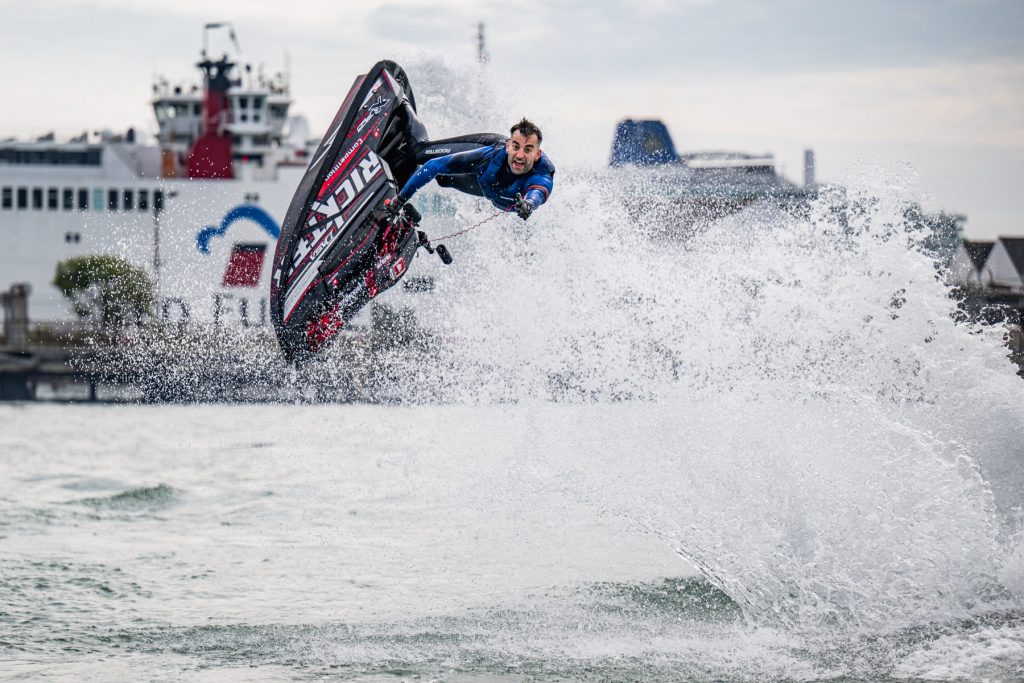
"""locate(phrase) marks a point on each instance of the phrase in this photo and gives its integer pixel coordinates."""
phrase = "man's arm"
(537, 192)
(463, 162)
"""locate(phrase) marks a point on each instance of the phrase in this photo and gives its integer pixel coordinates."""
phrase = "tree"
(108, 291)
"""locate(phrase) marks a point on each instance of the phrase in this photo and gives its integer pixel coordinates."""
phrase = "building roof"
(1015, 249)
(978, 251)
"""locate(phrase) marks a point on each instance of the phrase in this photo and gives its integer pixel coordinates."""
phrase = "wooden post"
(15, 304)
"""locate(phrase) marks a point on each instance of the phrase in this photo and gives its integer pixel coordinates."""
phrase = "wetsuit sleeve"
(463, 162)
(538, 189)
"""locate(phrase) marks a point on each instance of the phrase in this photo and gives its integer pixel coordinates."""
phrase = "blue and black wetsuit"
(484, 172)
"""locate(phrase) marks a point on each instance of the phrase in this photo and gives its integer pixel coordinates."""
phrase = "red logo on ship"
(245, 265)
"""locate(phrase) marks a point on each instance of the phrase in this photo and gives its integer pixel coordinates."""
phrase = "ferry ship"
(200, 207)
(686, 190)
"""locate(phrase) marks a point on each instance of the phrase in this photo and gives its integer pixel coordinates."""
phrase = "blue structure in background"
(244, 211)
(642, 143)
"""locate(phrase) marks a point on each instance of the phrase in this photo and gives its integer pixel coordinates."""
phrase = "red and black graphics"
(336, 231)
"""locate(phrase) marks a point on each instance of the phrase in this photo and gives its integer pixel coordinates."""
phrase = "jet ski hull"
(338, 247)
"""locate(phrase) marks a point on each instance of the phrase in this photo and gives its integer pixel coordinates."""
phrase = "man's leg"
(429, 149)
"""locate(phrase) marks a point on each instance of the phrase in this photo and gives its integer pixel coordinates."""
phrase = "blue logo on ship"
(249, 212)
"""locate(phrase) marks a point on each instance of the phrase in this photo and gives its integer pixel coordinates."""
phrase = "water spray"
(442, 251)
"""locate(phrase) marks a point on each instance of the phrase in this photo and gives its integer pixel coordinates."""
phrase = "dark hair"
(527, 128)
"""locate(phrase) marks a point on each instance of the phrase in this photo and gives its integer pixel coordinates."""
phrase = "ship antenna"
(287, 72)
(220, 24)
(481, 45)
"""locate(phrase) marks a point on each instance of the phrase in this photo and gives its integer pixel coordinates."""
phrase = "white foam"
(806, 422)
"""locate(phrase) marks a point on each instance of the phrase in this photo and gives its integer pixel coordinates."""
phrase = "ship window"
(37, 197)
(256, 118)
(112, 200)
(52, 157)
(257, 102)
(169, 110)
(129, 201)
(158, 201)
(22, 197)
(52, 199)
(8, 198)
(69, 199)
(83, 199)
(197, 109)
(243, 102)
(97, 199)
(143, 200)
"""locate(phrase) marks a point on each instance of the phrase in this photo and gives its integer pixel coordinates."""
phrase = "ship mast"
(482, 55)
(210, 156)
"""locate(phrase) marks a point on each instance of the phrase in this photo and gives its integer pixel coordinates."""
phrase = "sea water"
(763, 449)
(355, 542)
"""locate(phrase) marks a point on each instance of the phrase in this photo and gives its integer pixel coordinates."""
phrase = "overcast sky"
(932, 90)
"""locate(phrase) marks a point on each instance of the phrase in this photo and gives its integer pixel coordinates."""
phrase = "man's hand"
(394, 206)
(523, 207)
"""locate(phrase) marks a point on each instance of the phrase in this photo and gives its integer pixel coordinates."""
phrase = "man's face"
(523, 152)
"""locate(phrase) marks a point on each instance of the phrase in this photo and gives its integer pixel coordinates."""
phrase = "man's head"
(523, 147)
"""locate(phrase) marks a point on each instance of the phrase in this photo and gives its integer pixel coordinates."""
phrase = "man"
(515, 175)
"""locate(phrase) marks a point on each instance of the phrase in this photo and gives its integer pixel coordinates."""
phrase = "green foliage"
(105, 290)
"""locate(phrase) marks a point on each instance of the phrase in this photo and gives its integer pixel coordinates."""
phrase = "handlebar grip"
(412, 214)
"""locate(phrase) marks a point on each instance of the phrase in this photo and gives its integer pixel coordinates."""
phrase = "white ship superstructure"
(199, 207)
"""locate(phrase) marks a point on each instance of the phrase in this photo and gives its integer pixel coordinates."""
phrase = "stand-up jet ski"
(339, 245)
